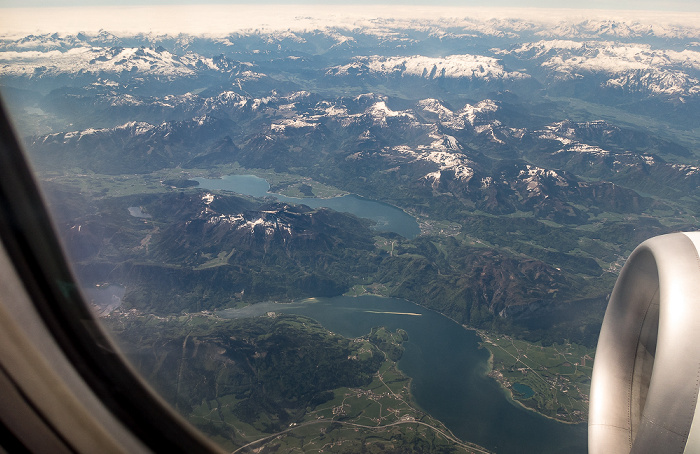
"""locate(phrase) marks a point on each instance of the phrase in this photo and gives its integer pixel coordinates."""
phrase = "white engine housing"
(646, 376)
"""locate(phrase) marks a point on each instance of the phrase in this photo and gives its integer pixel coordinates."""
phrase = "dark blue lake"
(448, 370)
(525, 391)
(388, 218)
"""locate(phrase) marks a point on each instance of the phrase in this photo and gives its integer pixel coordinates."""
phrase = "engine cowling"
(646, 375)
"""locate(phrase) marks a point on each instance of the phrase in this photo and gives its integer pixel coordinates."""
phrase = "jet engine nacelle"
(646, 376)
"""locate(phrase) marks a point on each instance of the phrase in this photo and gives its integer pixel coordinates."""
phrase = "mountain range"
(548, 146)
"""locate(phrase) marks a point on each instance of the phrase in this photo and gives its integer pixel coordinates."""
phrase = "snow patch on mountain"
(452, 66)
(585, 149)
(333, 110)
(436, 107)
(380, 112)
(226, 99)
(368, 105)
(285, 35)
(132, 128)
(239, 222)
(293, 123)
(566, 133)
(98, 60)
(442, 154)
(460, 165)
(537, 182)
(480, 116)
(667, 82)
(532, 176)
(619, 27)
(686, 170)
(208, 198)
(628, 66)
(339, 38)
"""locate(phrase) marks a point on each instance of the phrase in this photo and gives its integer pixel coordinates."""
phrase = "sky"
(221, 19)
(658, 5)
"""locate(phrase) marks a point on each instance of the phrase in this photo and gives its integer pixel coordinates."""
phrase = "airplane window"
(358, 228)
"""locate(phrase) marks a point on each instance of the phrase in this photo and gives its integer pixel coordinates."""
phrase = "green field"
(378, 417)
(283, 383)
(558, 375)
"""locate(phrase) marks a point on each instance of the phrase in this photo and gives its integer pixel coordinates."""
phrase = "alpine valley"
(534, 154)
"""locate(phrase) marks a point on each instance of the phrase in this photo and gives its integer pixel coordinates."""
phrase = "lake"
(388, 218)
(447, 368)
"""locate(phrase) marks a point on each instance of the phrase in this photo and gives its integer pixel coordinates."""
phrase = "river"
(447, 369)
(388, 218)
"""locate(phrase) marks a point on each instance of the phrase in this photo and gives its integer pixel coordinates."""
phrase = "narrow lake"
(448, 371)
(388, 218)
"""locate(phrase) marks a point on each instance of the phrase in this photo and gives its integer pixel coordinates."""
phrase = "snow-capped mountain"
(461, 107)
(632, 68)
(451, 66)
(142, 60)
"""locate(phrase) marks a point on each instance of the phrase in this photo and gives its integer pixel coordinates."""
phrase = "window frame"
(32, 247)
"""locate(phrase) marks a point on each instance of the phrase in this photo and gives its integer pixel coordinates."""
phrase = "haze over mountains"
(575, 129)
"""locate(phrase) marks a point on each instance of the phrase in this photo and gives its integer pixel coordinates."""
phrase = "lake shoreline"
(507, 389)
(446, 383)
(387, 217)
(489, 362)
